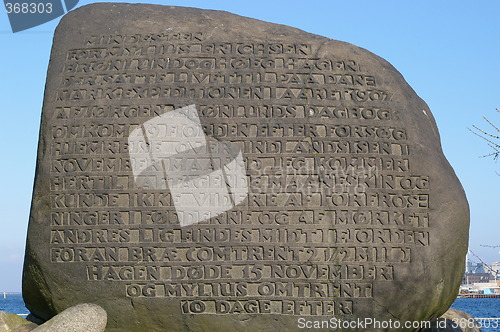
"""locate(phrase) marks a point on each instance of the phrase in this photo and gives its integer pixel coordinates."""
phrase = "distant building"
(479, 268)
(476, 273)
(474, 278)
(469, 266)
(495, 266)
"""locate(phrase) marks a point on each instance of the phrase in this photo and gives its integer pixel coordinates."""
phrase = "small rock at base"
(454, 321)
(14, 323)
(85, 317)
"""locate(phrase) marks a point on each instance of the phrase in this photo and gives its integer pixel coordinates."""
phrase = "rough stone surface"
(202, 171)
(14, 323)
(85, 317)
(454, 321)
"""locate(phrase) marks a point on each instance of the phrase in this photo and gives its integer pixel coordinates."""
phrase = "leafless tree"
(491, 136)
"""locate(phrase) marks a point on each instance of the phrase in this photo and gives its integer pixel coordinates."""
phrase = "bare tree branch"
(493, 138)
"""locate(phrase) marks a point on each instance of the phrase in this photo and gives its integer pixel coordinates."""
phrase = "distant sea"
(479, 308)
(13, 303)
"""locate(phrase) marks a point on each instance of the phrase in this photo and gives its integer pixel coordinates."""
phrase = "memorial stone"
(203, 171)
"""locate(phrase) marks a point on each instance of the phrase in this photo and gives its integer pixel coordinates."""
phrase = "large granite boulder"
(202, 171)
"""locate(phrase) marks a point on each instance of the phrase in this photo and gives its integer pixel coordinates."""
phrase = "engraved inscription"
(325, 208)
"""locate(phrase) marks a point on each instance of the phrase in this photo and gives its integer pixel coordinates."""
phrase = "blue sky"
(448, 51)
